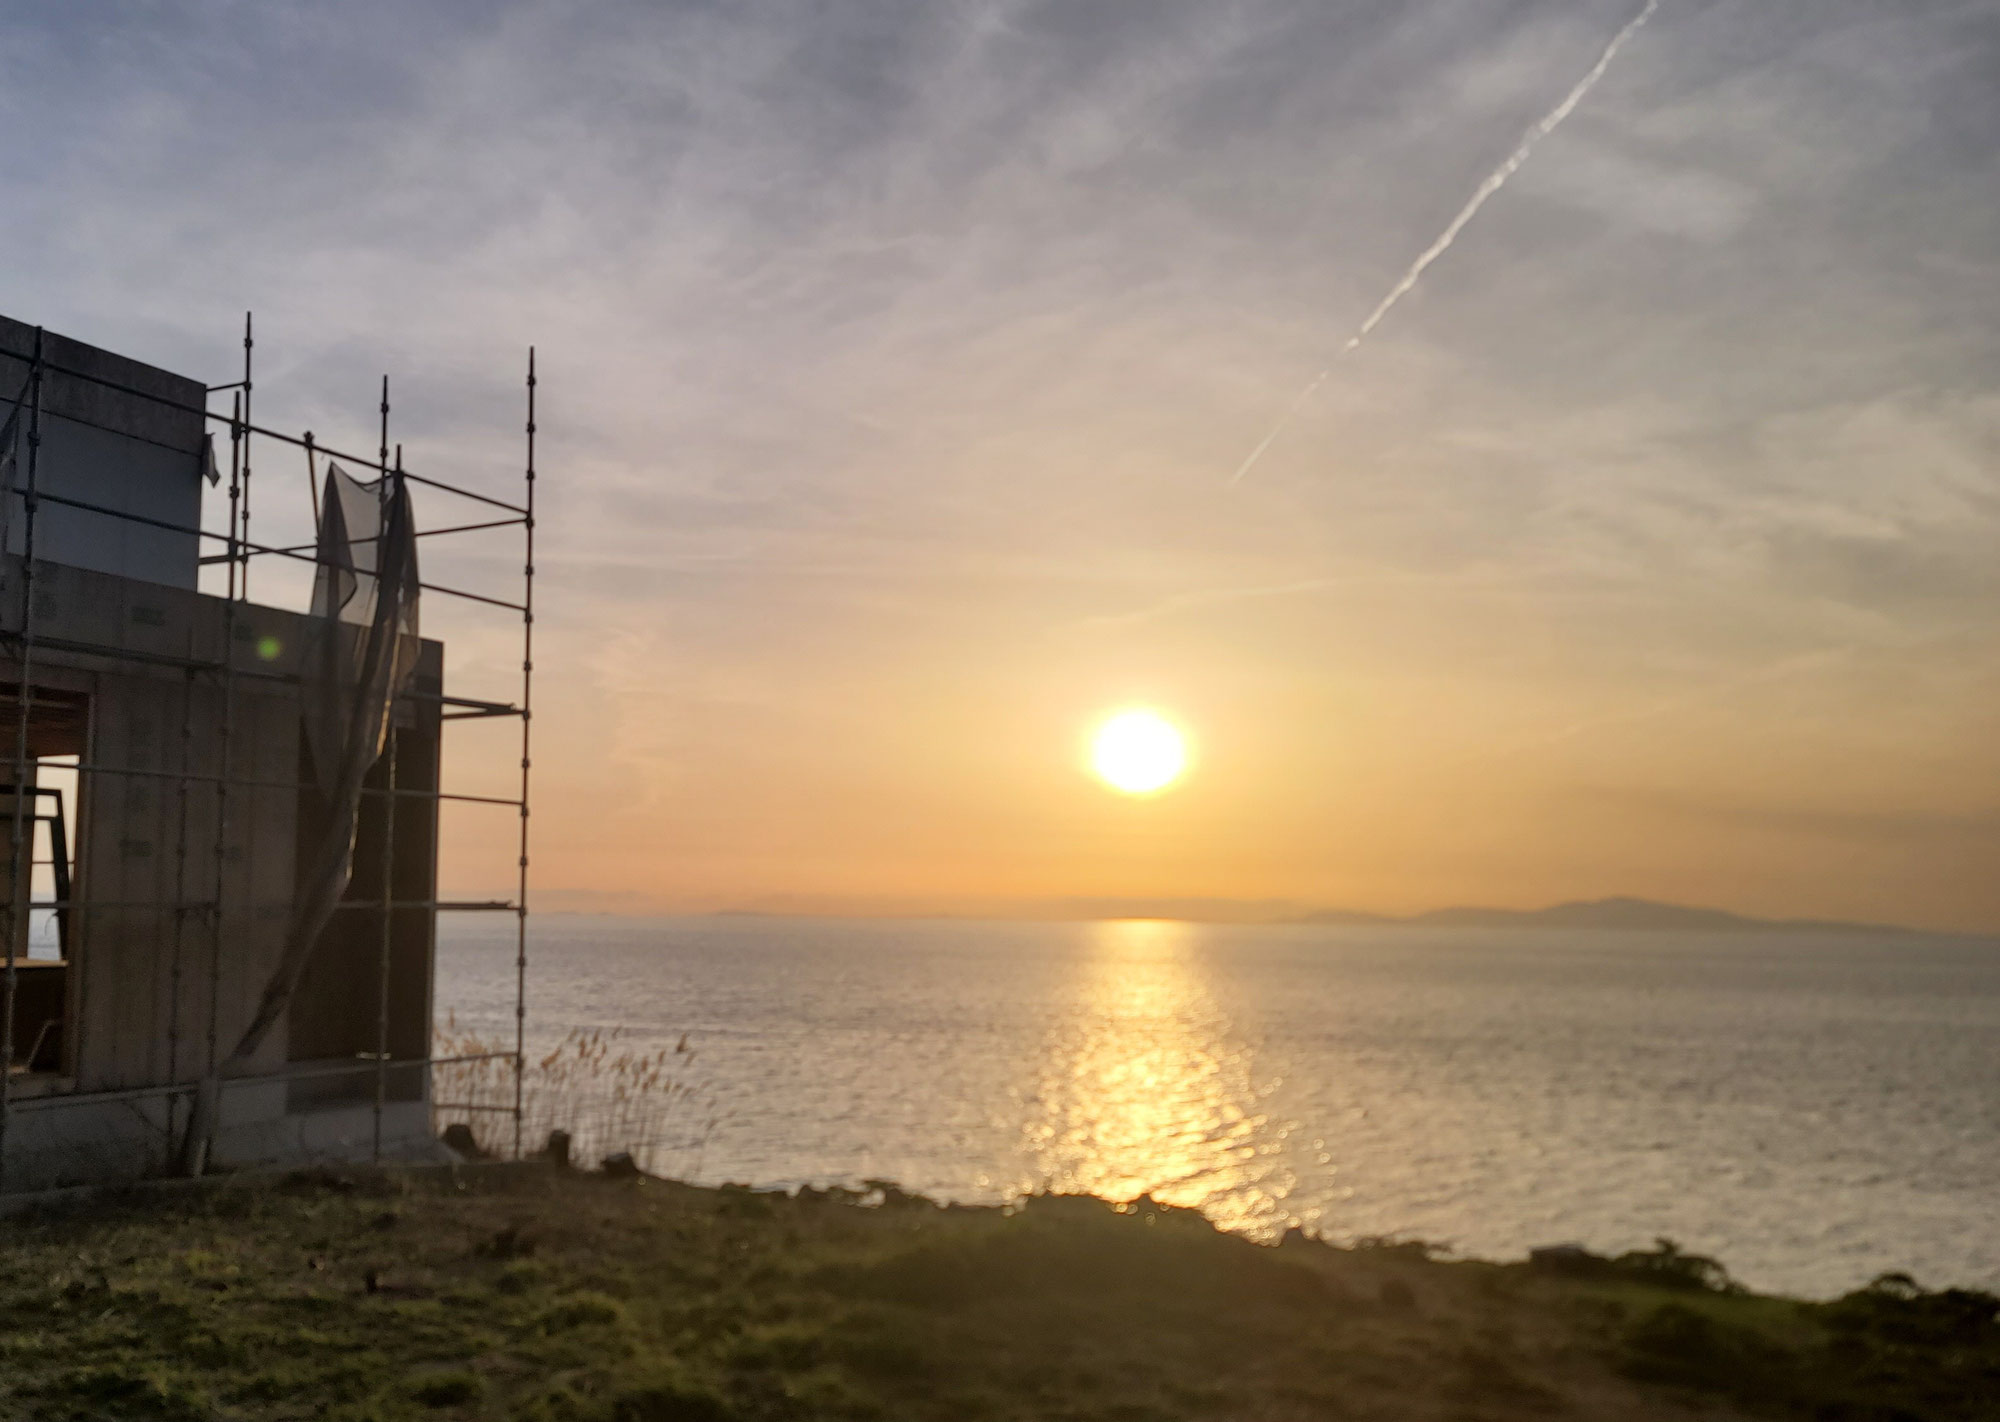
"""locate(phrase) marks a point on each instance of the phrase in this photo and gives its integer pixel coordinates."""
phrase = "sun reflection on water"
(1147, 1089)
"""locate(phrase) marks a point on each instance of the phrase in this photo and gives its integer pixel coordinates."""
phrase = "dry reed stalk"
(610, 1096)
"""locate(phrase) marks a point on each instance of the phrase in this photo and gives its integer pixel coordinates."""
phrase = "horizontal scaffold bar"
(471, 1106)
(201, 664)
(250, 783)
(360, 461)
(441, 905)
(188, 1088)
(208, 906)
(377, 538)
(168, 525)
(474, 710)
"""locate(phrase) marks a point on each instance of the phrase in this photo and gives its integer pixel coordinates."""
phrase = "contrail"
(1494, 182)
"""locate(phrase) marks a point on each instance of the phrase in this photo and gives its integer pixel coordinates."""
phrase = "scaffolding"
(198, 918)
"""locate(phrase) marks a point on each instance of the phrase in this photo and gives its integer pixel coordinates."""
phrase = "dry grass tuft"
(609, 1094)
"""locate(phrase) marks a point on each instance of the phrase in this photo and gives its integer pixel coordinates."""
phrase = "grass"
(528, 1293)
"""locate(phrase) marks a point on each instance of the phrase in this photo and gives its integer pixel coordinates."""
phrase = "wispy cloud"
(1488, 187)
(878, 341)
(1709, 693)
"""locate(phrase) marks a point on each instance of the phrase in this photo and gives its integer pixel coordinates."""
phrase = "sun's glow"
(1138, 752)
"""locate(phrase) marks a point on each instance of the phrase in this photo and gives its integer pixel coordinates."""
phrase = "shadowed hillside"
(519, 1292)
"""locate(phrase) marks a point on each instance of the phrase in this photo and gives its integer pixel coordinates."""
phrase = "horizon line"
(1139, 908)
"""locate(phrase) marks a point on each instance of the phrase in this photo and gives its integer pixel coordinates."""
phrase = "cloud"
(1702, 695)
(1909, 827)
(1631, 190)
(878, 341)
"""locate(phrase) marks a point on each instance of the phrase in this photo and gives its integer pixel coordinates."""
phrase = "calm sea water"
(1811, 1109)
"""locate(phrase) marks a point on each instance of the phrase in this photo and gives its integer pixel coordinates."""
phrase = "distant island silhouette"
(1619, 912)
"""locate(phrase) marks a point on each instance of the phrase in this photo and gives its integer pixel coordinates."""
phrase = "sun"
(1138, 752)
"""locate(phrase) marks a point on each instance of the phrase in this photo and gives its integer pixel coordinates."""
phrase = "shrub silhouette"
(1668, 1266)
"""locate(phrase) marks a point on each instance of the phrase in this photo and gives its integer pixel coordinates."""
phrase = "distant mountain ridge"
(1612, 913)
(1619, 913)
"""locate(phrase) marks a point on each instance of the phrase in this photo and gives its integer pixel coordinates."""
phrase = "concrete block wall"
(145, 972)
(117, 1142)
(105, 445)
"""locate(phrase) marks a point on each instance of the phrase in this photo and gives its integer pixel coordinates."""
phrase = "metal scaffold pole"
(239, 550)
(184, 784)
(387, 893)
(239, 470)
(17, 880)
(527, 726)
(243, 588)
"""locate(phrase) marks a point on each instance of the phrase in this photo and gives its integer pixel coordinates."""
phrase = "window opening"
(43, 921)
(54, 849)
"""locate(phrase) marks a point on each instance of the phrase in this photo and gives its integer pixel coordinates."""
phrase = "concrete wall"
(111, 1142)
(335, 1015)
(156, 989)
(145, 970)
(112, 448)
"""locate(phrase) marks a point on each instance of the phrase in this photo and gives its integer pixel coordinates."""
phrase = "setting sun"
(1138, 752)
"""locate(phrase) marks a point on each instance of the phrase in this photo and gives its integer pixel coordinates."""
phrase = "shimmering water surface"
(1811, 1109)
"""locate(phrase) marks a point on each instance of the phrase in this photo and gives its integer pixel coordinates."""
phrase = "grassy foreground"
(523, 1292)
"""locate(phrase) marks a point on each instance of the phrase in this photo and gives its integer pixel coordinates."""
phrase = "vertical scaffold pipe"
(24, 695)
(387, 892)
(243, 547)
(202, 1118)
(527, 726)
(182, 833)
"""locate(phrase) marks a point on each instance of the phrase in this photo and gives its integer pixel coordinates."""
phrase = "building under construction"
(221, 818)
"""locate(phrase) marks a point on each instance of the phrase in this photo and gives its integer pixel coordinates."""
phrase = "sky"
(896, 359)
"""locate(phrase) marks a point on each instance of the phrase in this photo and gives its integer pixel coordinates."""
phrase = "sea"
(1812, 1109)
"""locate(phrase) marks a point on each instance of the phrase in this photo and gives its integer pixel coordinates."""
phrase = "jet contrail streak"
(1494, 182)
